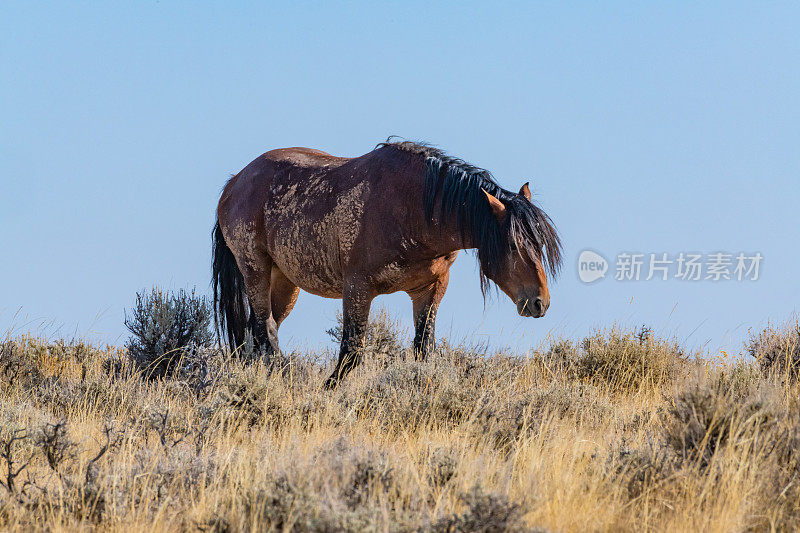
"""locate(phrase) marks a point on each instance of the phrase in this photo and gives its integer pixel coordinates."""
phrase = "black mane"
(459, 187)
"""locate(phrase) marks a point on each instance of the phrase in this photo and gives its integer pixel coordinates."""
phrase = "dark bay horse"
(353, 228)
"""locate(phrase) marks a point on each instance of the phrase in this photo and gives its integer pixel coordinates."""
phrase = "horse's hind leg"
(257, 281)
(283, 295)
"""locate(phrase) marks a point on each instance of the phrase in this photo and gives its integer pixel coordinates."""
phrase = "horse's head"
(525, 248)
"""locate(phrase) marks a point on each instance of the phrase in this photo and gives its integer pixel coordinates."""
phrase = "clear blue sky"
(642, 127)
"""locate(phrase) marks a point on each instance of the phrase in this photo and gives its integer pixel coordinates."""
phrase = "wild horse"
(353, 228)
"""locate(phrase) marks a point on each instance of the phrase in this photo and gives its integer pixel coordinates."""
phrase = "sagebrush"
(621, 431)
(168, 331)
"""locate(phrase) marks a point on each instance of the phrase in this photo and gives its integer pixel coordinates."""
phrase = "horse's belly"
(311, 265)
(311, 244)
(315, 284)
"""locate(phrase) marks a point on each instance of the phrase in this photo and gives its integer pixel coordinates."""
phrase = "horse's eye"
(514, 247)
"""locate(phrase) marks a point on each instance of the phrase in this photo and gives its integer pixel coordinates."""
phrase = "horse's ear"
(498, 208)
(525, 191)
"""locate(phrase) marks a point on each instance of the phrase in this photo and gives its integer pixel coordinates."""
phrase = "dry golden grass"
(622, 431)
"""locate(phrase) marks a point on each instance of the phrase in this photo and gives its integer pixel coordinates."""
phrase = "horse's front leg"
(356, 302)
(426, 302)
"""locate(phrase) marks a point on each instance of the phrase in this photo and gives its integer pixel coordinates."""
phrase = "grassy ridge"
(620, 431)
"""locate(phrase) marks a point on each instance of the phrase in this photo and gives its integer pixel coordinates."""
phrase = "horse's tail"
(230, 299)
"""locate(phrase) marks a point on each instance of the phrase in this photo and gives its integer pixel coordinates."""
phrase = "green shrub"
(383, 336)
(716, 411)
(629, 361)
(484, 512)
(441, 464)
(520, 416)
(777, 349)
(169, 332)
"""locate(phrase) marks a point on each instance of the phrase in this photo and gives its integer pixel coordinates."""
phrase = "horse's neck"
(447, 236)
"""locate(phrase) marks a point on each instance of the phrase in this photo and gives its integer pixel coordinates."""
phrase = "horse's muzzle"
(535, 308)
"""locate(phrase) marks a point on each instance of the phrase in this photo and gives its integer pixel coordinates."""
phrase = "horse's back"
(304, 157)
(247, 191)
(302, 207)
(316, 215)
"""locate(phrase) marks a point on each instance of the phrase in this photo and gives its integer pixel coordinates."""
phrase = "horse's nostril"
(538, 307)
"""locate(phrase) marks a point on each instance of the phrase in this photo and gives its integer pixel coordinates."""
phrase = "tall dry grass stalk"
(622, 431)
